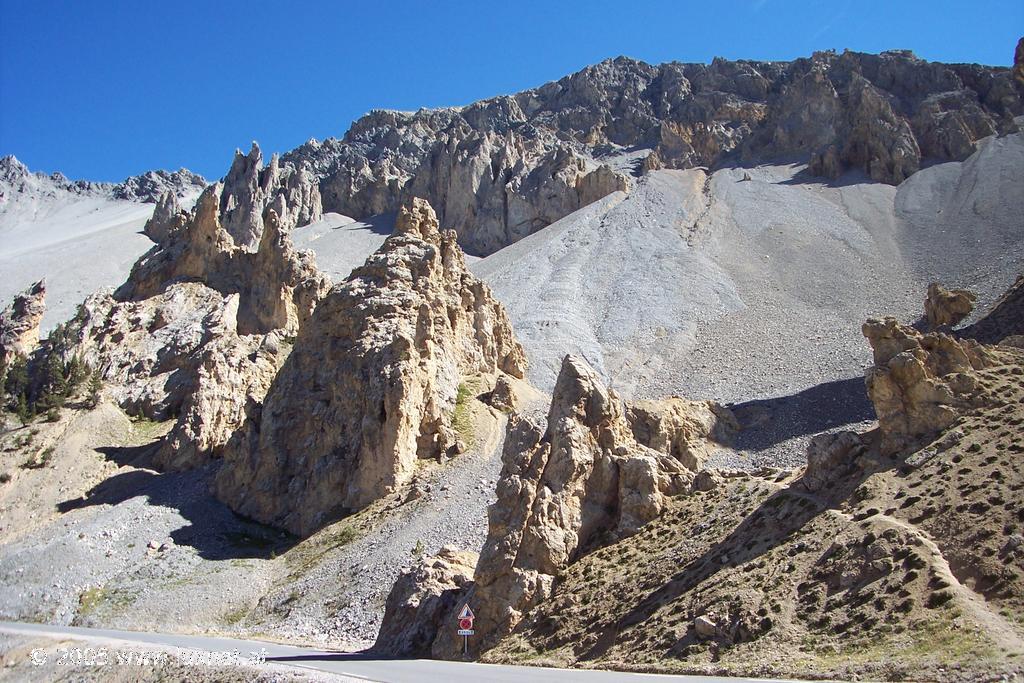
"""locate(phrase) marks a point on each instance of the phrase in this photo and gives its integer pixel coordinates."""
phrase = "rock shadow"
(820, 408)
(213, 529)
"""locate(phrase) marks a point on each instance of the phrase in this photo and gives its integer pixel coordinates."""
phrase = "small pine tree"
(95, 387)
(55, 383)
(78, 372)
(22, 410)
(16, 382)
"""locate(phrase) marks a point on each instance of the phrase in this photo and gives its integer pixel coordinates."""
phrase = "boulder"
(503, 396)
(944, 308)
(420, 600)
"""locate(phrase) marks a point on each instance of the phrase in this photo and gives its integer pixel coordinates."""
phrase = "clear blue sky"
(103, 90)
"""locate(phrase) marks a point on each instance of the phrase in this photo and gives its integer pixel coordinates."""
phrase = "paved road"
(359, 665)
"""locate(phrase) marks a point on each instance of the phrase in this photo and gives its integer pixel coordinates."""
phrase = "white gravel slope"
(742, 290)
(79, 244)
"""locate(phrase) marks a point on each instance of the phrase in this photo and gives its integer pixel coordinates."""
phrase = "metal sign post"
(466, 617)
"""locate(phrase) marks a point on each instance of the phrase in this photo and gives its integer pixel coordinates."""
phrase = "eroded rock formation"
(201, 326)
(502, 168)
(944, 308)
(582, 482)
(421, 599)
(371, 384)
(249, 189)
(920, 383)
(19, 323)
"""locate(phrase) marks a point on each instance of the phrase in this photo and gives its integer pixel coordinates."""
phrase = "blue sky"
(103, 90)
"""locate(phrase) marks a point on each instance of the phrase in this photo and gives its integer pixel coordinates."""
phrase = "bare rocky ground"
(127, 662)
(95, 537)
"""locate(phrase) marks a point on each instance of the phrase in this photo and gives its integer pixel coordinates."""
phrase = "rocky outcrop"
(580, 483)
(278, 285)
(178, 356)
(371, 384)
(830, 456)
(19, 323)
(421, 598)
(202, 325)
(1004, 320)
(152, 185)
(16, 179)
(500, 169)
(167, 219)
(249, 189)
(681, 428)
(921, 383)
(944, 308)
(503, 395)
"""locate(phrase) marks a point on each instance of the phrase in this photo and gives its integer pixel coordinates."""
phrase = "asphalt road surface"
(357, 665)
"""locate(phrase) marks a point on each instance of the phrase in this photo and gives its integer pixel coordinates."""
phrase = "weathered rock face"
(420, 599)
(681, 428)
(582, 482)
(19, 323)
(278, 285)
(944, 308)
(372, 382)
(503, 396)
(201, 326)
(920, 383)
(249, 189)
(167, 218)
(829, 457)
(502, 168)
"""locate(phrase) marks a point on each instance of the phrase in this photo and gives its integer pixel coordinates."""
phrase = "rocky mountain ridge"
(148, 187)
(502, 168)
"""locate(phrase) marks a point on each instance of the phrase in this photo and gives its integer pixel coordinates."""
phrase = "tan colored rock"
(921, 382)
(167, 219)
(19, 323)
(371, 384)
(250, 189)
(421, 599)
(199, 330)
(681, 428)
(503, 396)
(278, 285)
(600, 183)
(944, 308)
(563, 491)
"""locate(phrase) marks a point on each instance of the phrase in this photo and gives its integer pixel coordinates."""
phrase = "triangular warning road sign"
(466, 613)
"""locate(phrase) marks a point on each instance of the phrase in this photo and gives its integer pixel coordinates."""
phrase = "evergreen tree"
(16, 382)
(95, 387)
(22, 410)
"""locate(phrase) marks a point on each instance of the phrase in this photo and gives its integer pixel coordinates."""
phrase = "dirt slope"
(910, 567)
